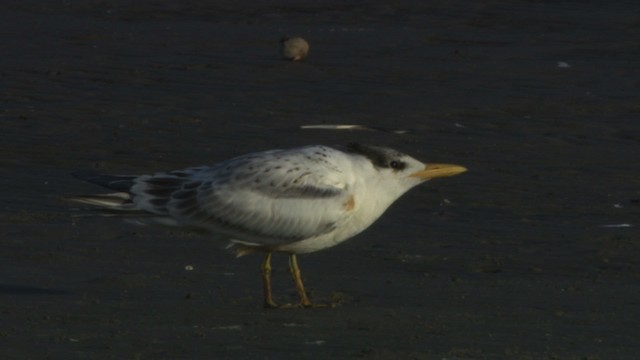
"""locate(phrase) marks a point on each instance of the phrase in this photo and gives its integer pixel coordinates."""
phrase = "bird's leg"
(266, 281)
(297, 279)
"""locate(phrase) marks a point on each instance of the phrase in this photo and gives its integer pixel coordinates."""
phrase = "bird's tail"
(112, 204)
(109, 201)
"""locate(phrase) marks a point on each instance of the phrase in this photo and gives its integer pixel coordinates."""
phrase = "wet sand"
(512, 260)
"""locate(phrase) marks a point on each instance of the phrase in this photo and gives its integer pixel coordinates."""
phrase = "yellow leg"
(297, 279)
(266, 281)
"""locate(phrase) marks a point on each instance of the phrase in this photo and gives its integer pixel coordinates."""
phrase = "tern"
(292, 201)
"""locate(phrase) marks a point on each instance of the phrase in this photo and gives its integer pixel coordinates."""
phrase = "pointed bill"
(432, 171)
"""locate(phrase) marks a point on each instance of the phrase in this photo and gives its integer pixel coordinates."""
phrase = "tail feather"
(113, 201)
(112, 205)
(149, 205)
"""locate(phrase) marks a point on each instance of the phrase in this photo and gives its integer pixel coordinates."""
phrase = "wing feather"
(268, 198)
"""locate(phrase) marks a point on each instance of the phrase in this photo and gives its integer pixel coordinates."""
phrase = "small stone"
(295, 48)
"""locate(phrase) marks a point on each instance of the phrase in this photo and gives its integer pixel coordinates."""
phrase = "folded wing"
(250, 199)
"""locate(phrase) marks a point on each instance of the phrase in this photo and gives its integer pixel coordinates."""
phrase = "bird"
(292, 201)
(295, 48)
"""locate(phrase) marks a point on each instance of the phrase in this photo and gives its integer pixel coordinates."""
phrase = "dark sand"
(508, 261)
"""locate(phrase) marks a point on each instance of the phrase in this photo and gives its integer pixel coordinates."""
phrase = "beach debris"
(294, 325)
(228, 327)
(563, 64)
(189, 267)
(353, 127)
(294, 48)
(315, 342)
(624, 225)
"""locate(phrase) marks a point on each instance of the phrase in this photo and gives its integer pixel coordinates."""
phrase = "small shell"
(295, 48)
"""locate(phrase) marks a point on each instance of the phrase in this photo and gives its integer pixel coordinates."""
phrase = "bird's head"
(393, 166)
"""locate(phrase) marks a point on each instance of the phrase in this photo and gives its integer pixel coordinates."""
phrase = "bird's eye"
(397, 165)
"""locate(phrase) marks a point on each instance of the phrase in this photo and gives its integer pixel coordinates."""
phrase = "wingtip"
(120, 183)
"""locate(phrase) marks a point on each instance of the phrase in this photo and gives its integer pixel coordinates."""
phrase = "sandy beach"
(534, 253)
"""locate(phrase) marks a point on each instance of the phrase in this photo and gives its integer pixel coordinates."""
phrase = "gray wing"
(269, 198)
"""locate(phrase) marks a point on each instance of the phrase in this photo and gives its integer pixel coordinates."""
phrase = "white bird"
(293, 201)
